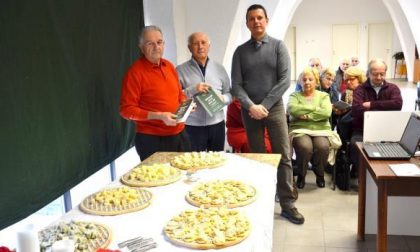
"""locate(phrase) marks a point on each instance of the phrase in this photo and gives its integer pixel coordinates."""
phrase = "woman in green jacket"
(310, 127)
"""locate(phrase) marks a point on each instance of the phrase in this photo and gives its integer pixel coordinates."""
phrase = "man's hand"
(366, 105)
(202, 87)
(167, 118)
(258, 112)
(219, 94)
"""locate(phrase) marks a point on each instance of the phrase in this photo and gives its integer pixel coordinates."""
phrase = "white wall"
(180, 28)
(314, 19)
(212, 17)
(312, 42)
(160, 13)
(281, 17)
(411, 11)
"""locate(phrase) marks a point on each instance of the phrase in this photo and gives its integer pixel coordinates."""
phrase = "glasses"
(152, 44)
(378, 74)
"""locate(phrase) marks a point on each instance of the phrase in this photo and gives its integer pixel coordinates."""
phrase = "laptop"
(404, 149)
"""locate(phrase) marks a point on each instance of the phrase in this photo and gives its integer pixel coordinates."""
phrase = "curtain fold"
(62, 63)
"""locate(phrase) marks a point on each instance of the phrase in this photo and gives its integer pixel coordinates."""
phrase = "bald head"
(374, 63)
(315, 62)
(344, 64)
(199, 44)
(197, 35)
(377, 71)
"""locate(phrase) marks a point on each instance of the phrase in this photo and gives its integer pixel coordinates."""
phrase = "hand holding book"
(184, 110)
(202, 87)
(210, 101)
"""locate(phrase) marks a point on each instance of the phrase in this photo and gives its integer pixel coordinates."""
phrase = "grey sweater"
(190, 75)
(260, 75)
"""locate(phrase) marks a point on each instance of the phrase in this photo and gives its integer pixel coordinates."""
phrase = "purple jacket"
(388, 98)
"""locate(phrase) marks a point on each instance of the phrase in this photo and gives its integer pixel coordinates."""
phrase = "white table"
(169, 200)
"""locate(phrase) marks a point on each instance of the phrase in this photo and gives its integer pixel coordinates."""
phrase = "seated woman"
(354, 76)
(327, 78)
(236, 135)
(310, 129)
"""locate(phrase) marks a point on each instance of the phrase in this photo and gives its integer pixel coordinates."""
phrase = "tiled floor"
(331, 216)
(330, 223)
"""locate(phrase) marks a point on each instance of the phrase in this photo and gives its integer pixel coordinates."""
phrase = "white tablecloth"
(169, 200)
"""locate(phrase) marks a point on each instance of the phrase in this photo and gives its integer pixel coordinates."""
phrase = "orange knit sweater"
(148, 87)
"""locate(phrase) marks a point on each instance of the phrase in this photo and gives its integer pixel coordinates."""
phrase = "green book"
(210, 101)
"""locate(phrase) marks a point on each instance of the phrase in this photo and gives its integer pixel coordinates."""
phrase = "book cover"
(184, 110)
(210, 101)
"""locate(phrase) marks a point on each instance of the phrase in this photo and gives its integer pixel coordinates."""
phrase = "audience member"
(313, 62)
(354, 77)
(375, 94)
(354, 61)
(198, 75)
(310, 129)
(150, 94)
(236, 135)
(327, 78)
(339, 82)
(260, 77)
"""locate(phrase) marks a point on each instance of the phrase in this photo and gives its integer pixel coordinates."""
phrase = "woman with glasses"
(354, 76)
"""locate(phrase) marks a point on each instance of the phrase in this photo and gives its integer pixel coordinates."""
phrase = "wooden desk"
(388, 185)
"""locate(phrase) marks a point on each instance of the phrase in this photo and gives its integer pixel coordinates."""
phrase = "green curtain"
(62, 62)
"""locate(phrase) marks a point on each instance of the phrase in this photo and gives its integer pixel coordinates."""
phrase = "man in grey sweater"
(260, 77)
(207, 133)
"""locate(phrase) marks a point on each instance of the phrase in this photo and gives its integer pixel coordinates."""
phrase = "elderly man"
(340, 83)
(315, 62)
(375, 94)
(207, 133)
(260, 77)
(354, 61)
(150, 94)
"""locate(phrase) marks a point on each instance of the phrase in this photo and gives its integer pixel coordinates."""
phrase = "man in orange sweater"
(150, 95)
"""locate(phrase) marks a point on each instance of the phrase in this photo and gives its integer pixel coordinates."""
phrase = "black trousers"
(207, 138)
(146, 144)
